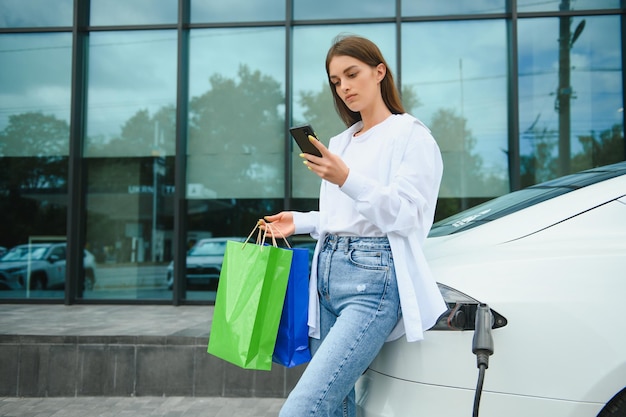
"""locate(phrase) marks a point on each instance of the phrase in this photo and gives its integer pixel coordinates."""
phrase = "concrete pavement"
(140, 407)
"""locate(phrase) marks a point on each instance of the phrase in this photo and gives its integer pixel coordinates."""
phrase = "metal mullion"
(570, 13)
(288, 173)
(513, 154)
(56, 29)
(346, 21)
(399, 46)
(111, 28)
(623, 30)
(460, 17)
(232, 25)
(76, 211)
(180, 162)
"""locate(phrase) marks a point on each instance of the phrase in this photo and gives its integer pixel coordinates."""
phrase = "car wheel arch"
(616, 407)
(38, 276)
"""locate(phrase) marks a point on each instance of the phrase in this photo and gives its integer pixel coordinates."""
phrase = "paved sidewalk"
(105, 320)
(140, 407)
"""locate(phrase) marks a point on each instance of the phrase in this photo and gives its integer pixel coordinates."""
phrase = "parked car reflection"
(204, 262)
(40, 266)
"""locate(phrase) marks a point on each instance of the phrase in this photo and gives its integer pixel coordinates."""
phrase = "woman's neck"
(373, 117)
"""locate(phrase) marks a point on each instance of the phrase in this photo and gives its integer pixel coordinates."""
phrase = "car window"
(59, 252)
(518, 200)
(12, 255)
(493, 209)
(21, 253)
(208, 249)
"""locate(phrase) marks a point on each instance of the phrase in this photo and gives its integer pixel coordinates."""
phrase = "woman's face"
(356, 83)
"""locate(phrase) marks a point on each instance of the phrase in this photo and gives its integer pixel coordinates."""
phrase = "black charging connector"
(482, 346)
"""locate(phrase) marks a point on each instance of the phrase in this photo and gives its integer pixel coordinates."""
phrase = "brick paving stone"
(139, 407)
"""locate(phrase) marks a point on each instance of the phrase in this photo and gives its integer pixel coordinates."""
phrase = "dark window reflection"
(33, 200)
(130, 225)
(34, 146)
(209, 222)
(33, 207)
(129, 160)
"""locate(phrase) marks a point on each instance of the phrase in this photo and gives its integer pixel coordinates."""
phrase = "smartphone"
(301, 136)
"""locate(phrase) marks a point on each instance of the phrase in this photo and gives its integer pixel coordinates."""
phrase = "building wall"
(133, 129)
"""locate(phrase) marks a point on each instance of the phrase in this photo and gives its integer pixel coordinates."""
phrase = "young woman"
(369, 281)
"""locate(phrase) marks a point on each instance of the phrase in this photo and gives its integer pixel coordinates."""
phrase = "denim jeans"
(359, 305)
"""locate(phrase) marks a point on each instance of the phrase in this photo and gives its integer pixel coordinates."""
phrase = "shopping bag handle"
(261, 240)
(273, 229)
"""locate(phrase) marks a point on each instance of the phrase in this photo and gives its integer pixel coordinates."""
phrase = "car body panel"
(203, 267)
(555, 271)
(391, 397)
(9, 281)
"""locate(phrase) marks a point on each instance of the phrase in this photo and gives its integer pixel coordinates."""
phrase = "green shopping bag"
(249, 303)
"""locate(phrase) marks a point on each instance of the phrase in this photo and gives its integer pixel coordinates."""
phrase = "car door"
(56, 265)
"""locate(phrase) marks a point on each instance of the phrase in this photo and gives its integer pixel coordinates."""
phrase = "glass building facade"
(132, 129)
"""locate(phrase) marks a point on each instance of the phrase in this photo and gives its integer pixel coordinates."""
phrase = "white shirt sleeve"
(409, 200)
(306, 223)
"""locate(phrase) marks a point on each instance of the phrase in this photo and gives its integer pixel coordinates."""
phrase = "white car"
(40, 266)
(550, 263)
(204, 262)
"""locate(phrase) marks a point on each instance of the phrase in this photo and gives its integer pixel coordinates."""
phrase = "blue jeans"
(360, 306)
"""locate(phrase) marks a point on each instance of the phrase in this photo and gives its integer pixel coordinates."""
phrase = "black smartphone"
(301, 136)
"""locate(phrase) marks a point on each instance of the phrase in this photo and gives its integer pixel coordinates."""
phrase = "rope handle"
(274, 228)
(262, 234)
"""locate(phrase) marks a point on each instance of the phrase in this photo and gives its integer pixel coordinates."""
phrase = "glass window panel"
(34, 147)
(353, 9)
(133, 12)
(312, 99)
(236, 114)
(213, 220)
(129, 152)
(203, 11)
(235, 156)
(35, 13)
(452, 7)
(558, 5)
(458, 86)
(585, 121)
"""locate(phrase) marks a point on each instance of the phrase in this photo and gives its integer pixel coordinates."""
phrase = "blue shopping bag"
(292, 343)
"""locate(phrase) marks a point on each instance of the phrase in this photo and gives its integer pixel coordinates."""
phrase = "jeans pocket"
(367, 259)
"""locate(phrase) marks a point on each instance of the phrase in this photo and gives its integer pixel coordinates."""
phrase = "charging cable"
(482, 346)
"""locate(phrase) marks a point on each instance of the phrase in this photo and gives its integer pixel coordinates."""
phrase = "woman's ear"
(381, 71)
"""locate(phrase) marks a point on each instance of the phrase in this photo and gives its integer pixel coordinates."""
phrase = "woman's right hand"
(283, 222)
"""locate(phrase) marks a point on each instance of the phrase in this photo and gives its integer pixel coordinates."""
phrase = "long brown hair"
(367, 52)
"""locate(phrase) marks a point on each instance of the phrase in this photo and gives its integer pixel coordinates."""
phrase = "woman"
(369, 281)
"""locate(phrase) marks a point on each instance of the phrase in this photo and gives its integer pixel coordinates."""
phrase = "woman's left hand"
(329, 166)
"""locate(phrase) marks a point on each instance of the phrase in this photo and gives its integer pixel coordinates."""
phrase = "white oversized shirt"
(391, 190)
